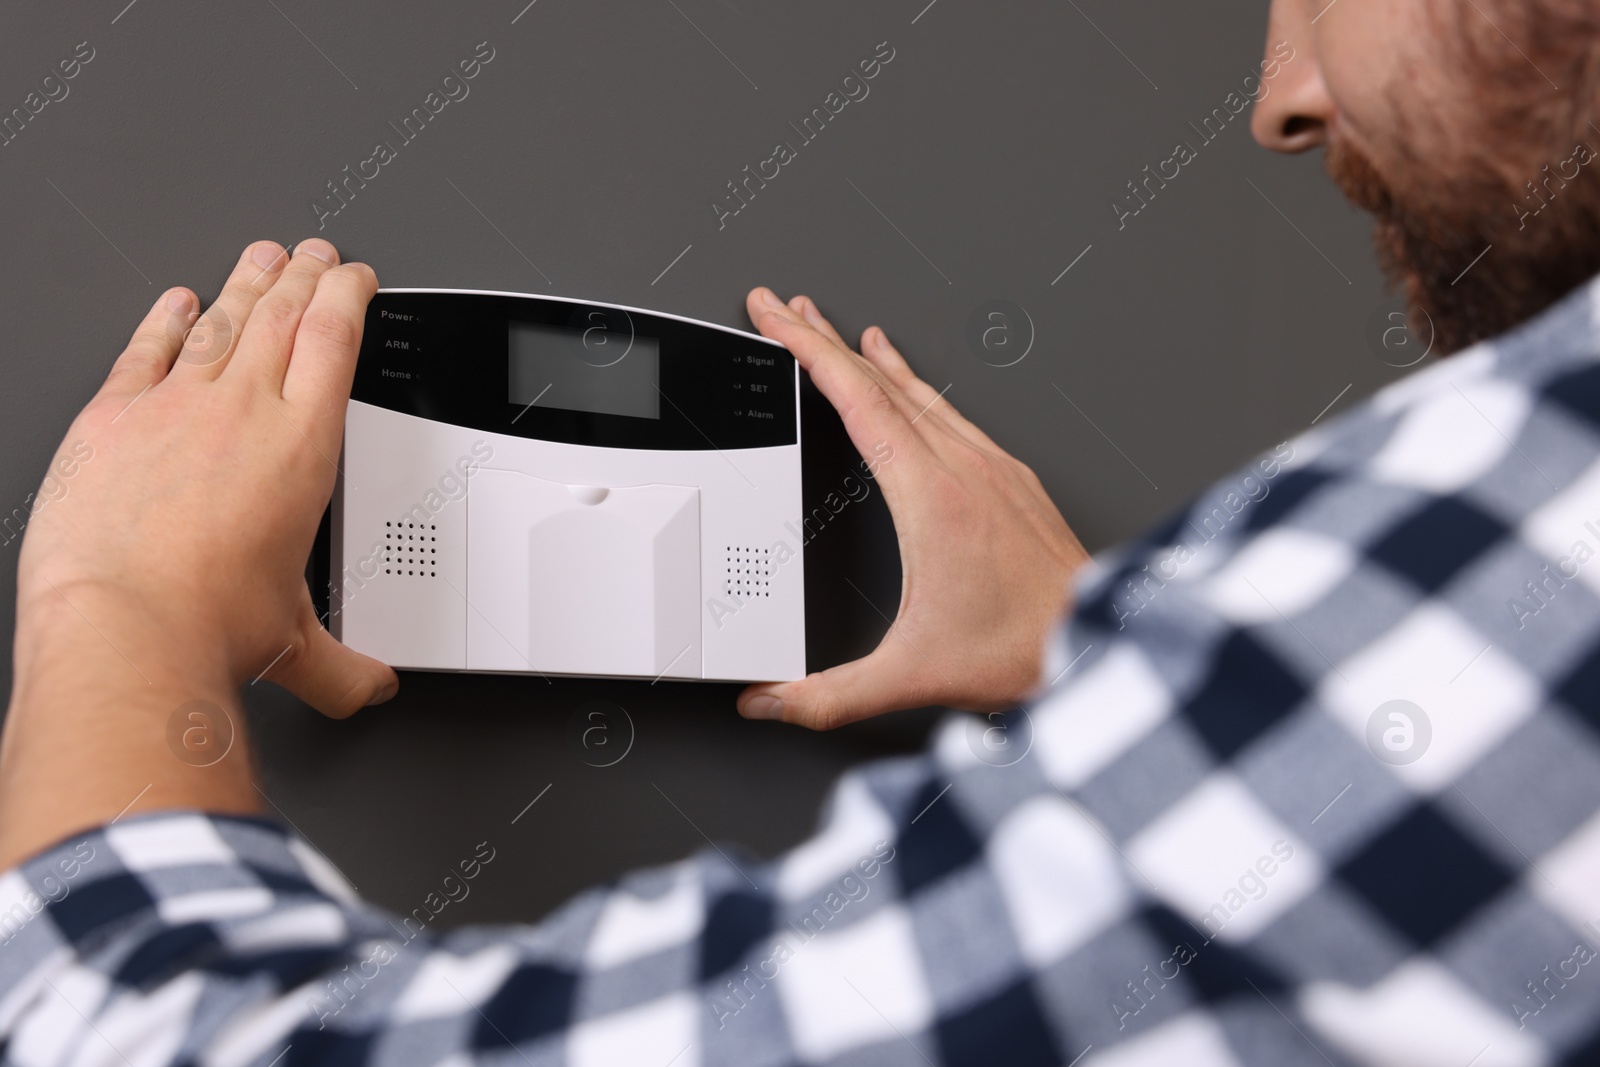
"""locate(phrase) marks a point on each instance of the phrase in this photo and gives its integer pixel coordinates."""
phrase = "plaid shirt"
(1315, 779)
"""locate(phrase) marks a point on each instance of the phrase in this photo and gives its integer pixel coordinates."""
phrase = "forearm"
(112, 710)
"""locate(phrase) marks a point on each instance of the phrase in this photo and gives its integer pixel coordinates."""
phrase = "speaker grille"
(411, 549)
(749, 572)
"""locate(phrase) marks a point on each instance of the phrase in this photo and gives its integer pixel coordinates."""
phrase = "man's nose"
(1296, 110)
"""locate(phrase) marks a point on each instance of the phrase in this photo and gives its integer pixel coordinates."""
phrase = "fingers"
(214, 336)
(877, 350)
(269, 335)
(323, 364)
(336, 680)
(808, 310)
(153, 347)
(869, 408)
(918, 401)
(892, 677)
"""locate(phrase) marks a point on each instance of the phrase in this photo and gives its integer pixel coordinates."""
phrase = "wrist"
(113, 710)
(96, 624)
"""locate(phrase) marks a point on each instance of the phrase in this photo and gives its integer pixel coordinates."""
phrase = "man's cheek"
(52, 489)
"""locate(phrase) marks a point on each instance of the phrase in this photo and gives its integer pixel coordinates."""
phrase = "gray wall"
(1223, 317)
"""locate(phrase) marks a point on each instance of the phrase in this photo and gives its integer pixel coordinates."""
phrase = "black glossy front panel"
(445, 357)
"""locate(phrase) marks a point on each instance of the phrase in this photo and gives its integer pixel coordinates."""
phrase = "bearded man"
(1330, 794)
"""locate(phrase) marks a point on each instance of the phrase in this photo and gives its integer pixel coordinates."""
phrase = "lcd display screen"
(602, 371)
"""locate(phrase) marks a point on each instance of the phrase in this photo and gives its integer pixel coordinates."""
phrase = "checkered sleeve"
(1313, 777)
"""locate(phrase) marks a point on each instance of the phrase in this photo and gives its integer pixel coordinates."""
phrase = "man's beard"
(1433, 224)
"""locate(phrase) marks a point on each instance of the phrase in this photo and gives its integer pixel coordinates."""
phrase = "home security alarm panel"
(537, 485)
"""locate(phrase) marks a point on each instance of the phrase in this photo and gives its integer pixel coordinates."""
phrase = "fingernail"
(385, 694)
(179, 301)
(769, 298)
(265, 254)
(762, 707)
(319, 248)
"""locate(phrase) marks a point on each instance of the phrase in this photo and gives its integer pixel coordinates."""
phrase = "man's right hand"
(986, 559)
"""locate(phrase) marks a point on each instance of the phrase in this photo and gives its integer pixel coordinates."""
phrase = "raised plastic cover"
(582, 579)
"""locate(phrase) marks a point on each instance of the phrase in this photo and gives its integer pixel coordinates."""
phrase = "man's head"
(1461, 125)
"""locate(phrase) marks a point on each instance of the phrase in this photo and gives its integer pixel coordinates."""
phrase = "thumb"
(891, 678)
(336, 680)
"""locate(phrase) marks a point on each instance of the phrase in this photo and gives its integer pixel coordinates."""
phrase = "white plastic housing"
(455, 549)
